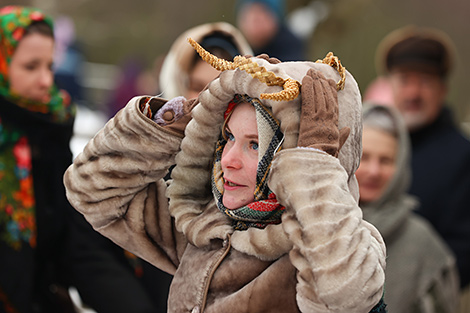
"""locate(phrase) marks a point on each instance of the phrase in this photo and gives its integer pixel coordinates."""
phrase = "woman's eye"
(254, 145)
(228, 135)
(30, 67)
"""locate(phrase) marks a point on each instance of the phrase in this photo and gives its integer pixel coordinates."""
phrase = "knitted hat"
(222, 41)
(277, 7)
(422, 49)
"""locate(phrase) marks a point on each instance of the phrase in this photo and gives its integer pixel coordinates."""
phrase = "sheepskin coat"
(323, 257)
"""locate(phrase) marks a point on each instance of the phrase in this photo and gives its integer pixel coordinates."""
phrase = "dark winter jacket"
(285, 46)
(36, 275)
(68, 251)
(441, 181)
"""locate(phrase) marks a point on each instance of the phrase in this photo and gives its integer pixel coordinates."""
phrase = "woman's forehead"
(243, 114)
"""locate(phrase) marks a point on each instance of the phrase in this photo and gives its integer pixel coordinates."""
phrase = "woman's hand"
(174, 114)
(319, 115)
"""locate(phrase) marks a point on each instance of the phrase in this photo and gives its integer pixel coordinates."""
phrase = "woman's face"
(258, 24)
(30, 71)
(201, 75)
(240, 157)
(377, 165)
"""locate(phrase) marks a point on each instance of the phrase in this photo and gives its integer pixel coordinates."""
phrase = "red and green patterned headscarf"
(17, 198)
(14, 20)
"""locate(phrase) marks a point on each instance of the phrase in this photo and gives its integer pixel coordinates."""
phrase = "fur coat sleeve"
(117, 184)
(340, 258)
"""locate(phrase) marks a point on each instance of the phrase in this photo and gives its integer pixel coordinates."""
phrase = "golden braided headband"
(334, 62)
(291, 87)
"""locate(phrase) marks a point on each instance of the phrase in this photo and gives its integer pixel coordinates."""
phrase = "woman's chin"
(230, 204)
(233, 203)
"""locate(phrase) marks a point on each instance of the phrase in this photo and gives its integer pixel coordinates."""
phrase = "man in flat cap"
(417, 62)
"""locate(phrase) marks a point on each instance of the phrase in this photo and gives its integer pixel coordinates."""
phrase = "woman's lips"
(229, 185)
(371, 185)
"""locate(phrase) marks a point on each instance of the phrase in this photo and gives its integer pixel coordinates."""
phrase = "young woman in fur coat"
(261, 214)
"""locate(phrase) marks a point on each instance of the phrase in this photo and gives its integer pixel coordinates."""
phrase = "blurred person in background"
(36, 120)
(184, 73)
(421, 274)
(69, 75)
(418, 62)
(45, 246)
(262, 22)
(127, 85)
(379, 91)
(68, 59)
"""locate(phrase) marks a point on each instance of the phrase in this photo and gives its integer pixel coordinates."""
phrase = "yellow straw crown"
(291, 87)
(334, 62)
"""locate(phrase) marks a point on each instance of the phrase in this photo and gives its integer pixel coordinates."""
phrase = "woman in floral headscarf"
(36, 122)
(45, 245)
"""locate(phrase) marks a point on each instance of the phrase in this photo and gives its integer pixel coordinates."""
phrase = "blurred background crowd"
(135, 35)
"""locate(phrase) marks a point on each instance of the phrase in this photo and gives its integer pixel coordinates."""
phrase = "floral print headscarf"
(13, 23)
(17, 201)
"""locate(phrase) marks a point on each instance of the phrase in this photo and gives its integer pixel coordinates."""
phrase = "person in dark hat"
(262, 22)
(418, 63)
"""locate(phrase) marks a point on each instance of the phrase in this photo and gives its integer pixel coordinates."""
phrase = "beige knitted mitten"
(175, 114)
(319, 115)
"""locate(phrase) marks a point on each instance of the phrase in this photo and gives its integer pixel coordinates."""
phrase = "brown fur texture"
(322, 258)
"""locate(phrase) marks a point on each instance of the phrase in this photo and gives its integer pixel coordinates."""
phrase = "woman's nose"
(231, 157)
(46, 78)
(374, 168)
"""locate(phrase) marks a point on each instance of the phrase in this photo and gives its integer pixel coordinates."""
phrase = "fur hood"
(190, 192)
(173, 78)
